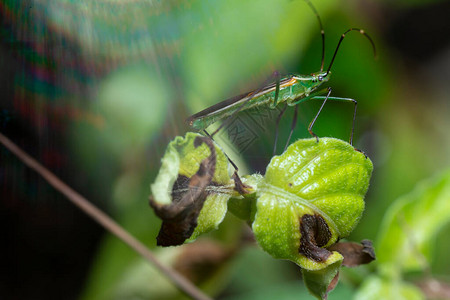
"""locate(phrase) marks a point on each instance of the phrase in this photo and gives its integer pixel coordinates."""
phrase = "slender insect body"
(293, 89)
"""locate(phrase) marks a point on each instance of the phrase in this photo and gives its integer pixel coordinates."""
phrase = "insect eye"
(320, 78)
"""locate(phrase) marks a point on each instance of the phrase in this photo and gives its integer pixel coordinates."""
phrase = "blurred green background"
(96, 89)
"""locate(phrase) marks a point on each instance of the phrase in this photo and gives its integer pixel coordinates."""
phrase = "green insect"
(289, 90)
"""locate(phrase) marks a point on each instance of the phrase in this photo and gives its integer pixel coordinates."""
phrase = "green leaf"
(311, 196)
(411, 224)
(375, 288)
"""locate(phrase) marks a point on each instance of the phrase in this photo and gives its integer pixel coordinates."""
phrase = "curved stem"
(104, 220)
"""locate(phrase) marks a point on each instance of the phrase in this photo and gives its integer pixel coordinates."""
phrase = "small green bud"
(311, 196)
(243, 206)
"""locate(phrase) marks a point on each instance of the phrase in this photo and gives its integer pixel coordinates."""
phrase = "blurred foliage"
(406, 239)
(411, 224)
(129, 73)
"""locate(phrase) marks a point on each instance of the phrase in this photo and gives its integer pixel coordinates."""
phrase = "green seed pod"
(191, 190)
(311, 196)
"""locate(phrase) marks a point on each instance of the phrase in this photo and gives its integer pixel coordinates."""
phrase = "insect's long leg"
(231, 162)
(275, 75)
(294, 122)
(315, 96)
(317, 115)
(354, 111)
(276, 128)
(238, 185)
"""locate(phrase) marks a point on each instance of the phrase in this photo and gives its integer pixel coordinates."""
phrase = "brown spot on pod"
(314, 235)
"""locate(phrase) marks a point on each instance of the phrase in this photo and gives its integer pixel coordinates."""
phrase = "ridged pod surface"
(311, 196)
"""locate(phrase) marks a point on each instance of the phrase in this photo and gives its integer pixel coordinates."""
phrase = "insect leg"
(294, 122)
(239, 186)
(277, 76)
(327, 91)
(317, 115)
(276, 128)
(354, 111)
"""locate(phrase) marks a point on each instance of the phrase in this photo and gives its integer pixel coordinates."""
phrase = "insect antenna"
(342, 38)
(322, 32)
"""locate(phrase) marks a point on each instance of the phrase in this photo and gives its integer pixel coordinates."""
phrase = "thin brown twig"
(109, 224)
